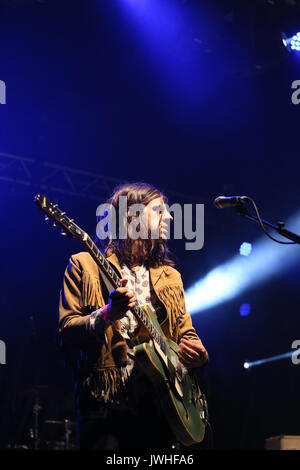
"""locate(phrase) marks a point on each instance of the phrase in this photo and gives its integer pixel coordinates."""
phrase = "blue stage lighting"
(289, 354)
(292, 43)
(245, 309)
(245, 249)
(231, 278)
(165, 28)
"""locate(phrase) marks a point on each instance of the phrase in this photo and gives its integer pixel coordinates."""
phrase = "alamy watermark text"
(2, 352)
(133, 222)
(2, 92)
(296, 93)
(296, 354)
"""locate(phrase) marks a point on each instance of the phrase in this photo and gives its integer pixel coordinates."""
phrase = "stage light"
(226, 281)
(278, 357)
(163, 29)
(245, 249)
(292, 43)
(245, 309)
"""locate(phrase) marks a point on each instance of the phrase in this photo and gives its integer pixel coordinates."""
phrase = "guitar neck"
(116, 282)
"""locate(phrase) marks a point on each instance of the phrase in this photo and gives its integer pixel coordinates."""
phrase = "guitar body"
(176, 387)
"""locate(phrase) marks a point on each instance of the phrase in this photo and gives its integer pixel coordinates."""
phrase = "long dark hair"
(154, 251)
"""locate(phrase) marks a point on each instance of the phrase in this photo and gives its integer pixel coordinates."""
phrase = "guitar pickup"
(178, 375)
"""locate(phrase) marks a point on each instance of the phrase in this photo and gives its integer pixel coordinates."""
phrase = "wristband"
(104, 311)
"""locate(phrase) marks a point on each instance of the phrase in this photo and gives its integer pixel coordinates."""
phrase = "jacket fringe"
(91, 291)
(107, 385)
(173, 299)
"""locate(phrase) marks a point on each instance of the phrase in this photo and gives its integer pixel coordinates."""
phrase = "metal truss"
(49, 177)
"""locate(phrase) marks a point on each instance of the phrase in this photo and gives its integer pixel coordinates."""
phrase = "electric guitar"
(177, 387)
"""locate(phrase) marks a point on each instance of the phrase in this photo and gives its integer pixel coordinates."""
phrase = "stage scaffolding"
(18, 171)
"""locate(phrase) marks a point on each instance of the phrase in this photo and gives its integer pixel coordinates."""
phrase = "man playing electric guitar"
(117, 405)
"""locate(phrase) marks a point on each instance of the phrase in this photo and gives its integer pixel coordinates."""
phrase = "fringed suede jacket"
(97, 365)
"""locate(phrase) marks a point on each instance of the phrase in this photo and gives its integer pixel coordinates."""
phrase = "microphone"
(223, 201)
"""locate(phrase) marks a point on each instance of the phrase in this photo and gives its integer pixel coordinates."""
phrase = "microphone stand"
(67, 434)
(36, 410)
(279, 228)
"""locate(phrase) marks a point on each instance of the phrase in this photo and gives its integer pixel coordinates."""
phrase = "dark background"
(191, 96)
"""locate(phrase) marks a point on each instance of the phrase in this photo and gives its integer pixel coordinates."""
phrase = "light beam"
(228, 280)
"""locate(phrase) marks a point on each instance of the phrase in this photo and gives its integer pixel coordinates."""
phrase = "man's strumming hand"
(192, 353)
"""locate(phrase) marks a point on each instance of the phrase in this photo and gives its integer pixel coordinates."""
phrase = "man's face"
(158, 217)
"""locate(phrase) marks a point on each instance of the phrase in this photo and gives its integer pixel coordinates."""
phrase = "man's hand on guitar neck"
(120, 300)
(192, 353)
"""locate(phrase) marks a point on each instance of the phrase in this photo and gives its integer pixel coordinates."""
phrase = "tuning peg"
(62, 232)
(46, 218)
(54, 225)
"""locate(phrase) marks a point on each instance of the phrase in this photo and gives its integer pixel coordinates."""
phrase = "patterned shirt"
(139, 284)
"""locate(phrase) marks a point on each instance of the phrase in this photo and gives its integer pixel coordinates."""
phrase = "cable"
(263, 228)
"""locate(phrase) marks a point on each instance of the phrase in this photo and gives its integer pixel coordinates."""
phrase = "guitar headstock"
(60, 219)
